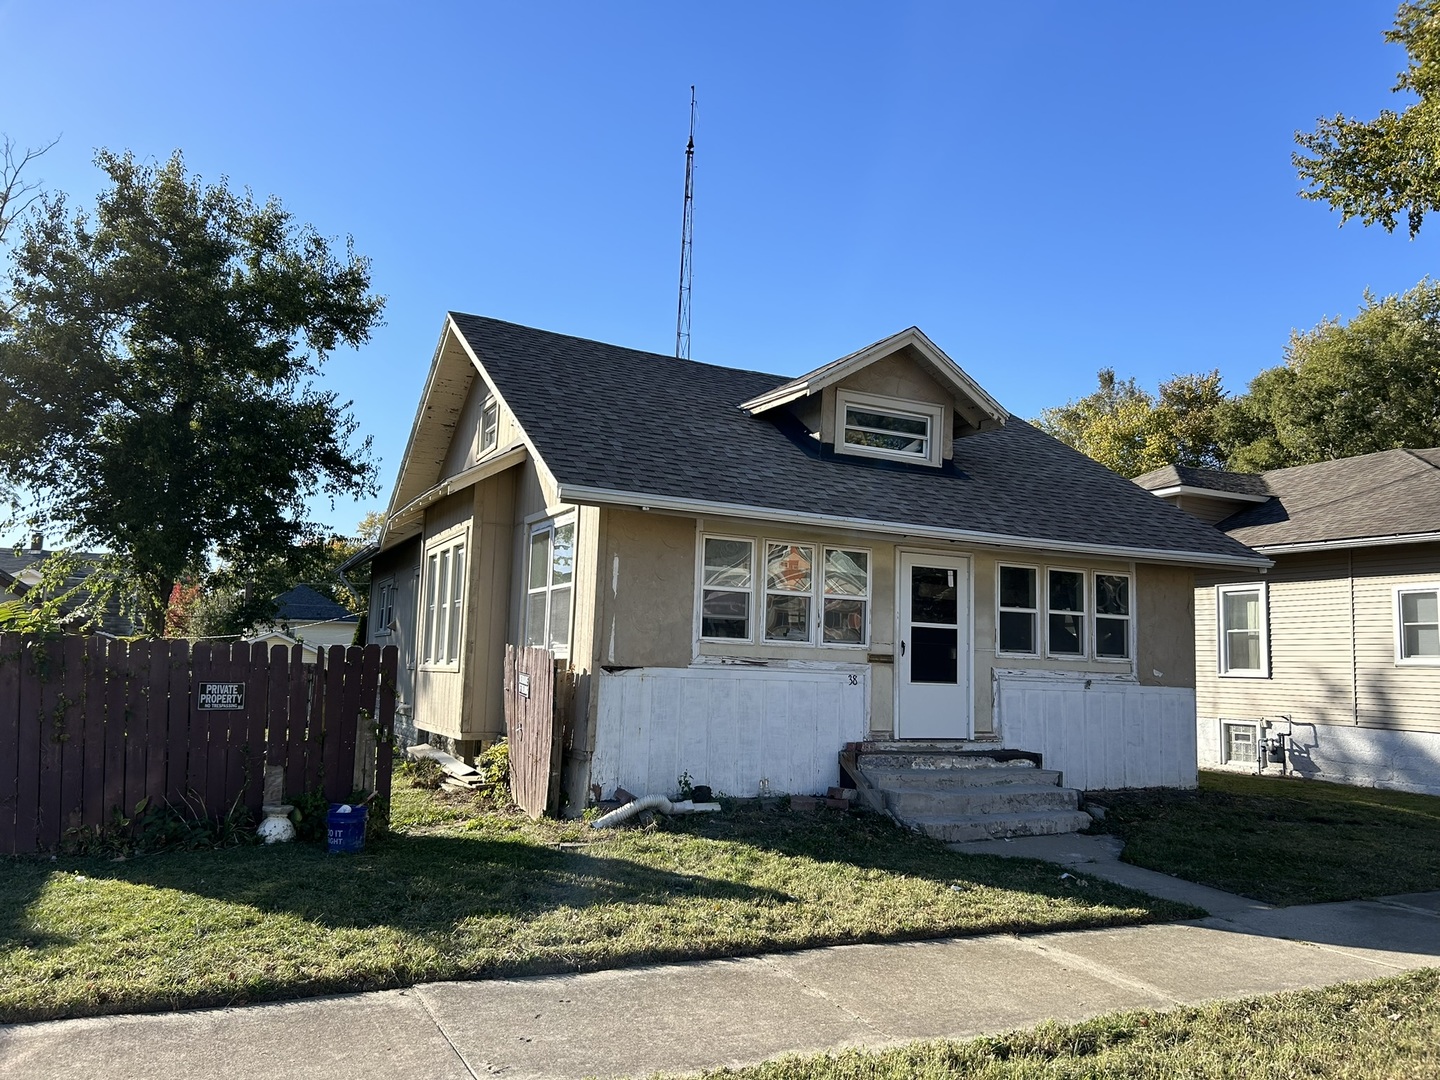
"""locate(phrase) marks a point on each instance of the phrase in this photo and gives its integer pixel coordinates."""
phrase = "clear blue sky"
(1044, 188)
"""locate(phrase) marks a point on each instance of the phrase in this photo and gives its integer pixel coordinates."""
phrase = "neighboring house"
(307, 615)
(745, 572)
(1337, 648)
(20, 571)
(308, 652)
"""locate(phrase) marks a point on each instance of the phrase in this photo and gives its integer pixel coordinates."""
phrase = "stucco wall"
(897, 376)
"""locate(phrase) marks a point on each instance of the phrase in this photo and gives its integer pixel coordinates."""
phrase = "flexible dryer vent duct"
(653, 802)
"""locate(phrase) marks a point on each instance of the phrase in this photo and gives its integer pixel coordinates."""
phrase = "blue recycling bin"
(345, 831)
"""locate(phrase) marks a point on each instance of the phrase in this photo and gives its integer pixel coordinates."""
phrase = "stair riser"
(951, 779)
(959, 832)
(930, 804)
(946, 762)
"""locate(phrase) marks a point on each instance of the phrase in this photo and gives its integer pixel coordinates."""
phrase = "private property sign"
(220, 695)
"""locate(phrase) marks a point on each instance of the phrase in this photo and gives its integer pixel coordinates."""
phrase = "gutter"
(574, 493)
(1341, 545)
(1212, 493)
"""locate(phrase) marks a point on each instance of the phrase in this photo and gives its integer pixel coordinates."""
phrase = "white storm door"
(932, 675)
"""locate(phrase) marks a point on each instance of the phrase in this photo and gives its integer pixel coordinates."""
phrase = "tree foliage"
(156, 375)
(1381, 169)
(1131, 431)
(1345, 388)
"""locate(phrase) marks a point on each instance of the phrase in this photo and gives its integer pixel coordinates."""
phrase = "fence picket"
(277, 711)
(336, 786)
(137, 725)
(385, 743)
(257, 683)
(157, 726)
(92, 781)
(296, 726)
(177, 723)
(117, 674)
(197, 768)
(11, 653)
(72, 734)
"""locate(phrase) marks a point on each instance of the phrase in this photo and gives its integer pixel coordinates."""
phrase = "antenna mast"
(682, 317)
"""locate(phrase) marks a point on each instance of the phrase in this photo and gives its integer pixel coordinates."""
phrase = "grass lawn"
(463, 893)
(1386, 1029)
(1282, 841)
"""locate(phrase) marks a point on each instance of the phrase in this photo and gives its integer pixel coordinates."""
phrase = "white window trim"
(481, 449)
(1401, 660)
(868, 598)
(1129, 617)
(1034, 612)
(1222, 643)
(766, 592)
(933, 414)
(383, 589)
(445, 541)
(1221, 754)
(549, 525)
(1086, 606)
(700, 587)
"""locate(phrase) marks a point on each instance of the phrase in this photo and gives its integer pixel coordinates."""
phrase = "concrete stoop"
(964, 791)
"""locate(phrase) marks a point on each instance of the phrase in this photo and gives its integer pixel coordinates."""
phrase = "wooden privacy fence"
(535, 704)
(92, 726)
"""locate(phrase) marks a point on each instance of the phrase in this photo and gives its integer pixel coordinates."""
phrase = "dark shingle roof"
(612, 418)
(1217, 480)
(303, 604)
(14, 560)
(1391, 493)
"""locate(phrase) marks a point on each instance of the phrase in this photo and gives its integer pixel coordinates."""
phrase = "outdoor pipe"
(653, 802)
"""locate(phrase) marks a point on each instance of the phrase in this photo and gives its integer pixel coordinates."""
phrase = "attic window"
(888, 428)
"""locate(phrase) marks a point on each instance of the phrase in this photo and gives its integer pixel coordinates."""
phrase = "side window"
(1243, 618)
(1417, 625)
(845, 591)
(1017, 611)
(550, 585)
(727, 576)
(444, 603)
(384, 612)
(489, 428)
(1112, 616)
(1066, 608)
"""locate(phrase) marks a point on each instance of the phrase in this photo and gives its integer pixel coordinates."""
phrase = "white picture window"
(489, 431)
(789, 591)
(845, 593)
(444, 603)
(1417, 625)
(1017, 611)
(888, 428)
(1065, 605)
(550, 586)
(1239, 743)
(727, 581)
(1112, 616)
(384, 611)
(1243, 645)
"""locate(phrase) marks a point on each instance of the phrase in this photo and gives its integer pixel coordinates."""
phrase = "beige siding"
(462, 452)
(1332, 644)
(440, 698)
(487, 610)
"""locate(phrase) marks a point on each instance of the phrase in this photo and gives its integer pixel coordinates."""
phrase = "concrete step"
(937, 760)
(988, 801)
(987, 826)
(894, 779)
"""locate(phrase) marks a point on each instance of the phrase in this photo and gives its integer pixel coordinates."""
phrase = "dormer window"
(888, 427)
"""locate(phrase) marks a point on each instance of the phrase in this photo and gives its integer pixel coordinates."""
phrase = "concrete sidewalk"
(687, 1017)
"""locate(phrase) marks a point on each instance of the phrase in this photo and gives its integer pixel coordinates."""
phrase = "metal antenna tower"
(682, 316)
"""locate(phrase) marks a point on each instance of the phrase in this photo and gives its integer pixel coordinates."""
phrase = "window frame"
(1401, 660)
(384, 606)
(823, 596)
(932, 414)
(752, 614)
(1223, 749)
(534, 529)
(1084, 613)
(1034, 613)
(1222, 640)
(1128, 617)
(446, 544)
(482, 448)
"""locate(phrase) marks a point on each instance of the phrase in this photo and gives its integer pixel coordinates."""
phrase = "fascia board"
(574, 493)
(1341, 545)
(1211, 493)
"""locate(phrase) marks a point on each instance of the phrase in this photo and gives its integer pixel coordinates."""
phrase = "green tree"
(1386, 167)
(1349, 388)
(1131, 431)
(156, 374)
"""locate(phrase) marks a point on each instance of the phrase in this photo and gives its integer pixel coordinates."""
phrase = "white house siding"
(741, 731)
(1101, 733)
(1355, 715)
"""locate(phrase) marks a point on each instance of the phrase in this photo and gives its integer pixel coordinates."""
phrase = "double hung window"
(550, 585)
(726, 582)
(1018, 612)
(789, 588)
(1066, 600)
(846, 594)
(1243, 647)
(1112, 616)
(444, 602)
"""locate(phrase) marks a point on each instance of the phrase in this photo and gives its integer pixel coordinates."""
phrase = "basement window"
(888, 428)
(1239, 743)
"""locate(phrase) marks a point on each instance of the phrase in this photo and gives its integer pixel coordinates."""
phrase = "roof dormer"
(901, 399)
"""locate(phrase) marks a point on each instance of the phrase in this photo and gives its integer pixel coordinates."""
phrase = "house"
(1328, 665)
(20, 571)
(745, 572)
(305, 614)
